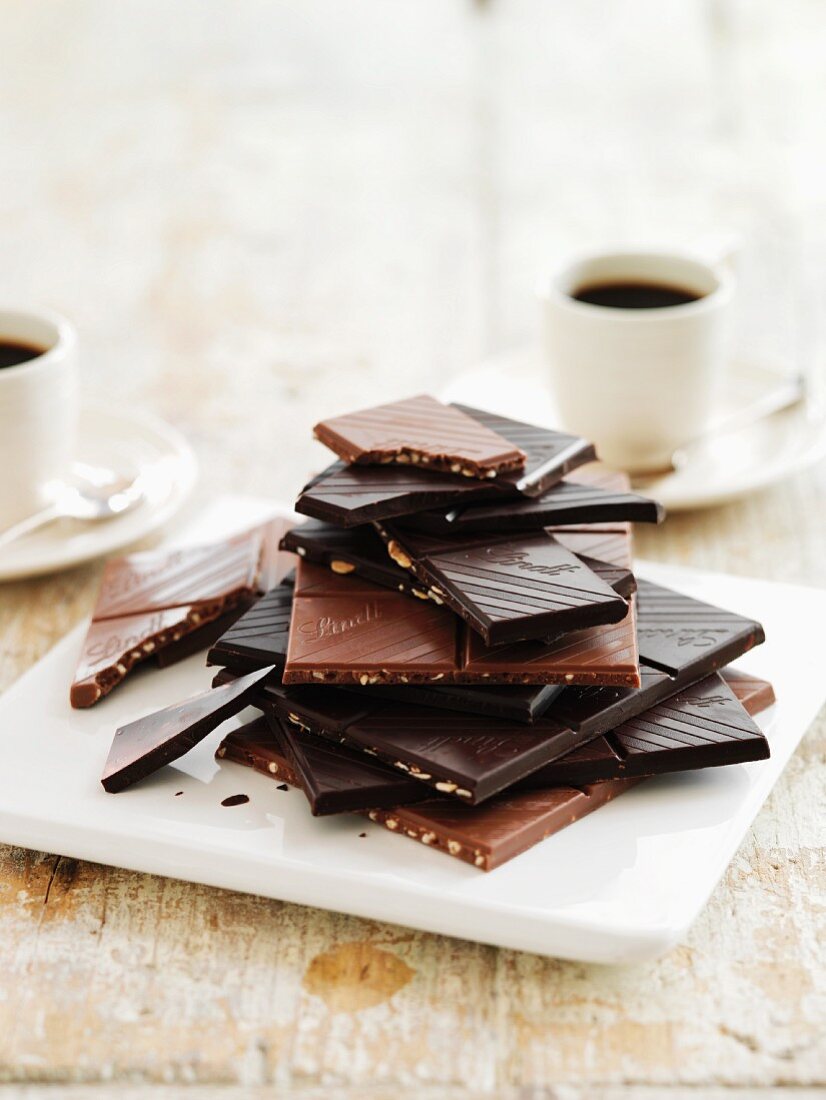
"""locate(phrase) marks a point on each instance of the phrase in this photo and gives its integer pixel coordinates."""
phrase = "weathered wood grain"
(260, 212)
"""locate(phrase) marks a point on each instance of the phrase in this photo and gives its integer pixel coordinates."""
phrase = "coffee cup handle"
(721, 249)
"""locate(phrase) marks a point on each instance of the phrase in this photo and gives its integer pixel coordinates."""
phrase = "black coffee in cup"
(628, 294)
(14, 352)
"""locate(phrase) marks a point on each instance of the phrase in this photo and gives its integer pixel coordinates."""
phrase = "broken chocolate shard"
(755, 694)
(167, 600)
(146, 745)
(420, 431)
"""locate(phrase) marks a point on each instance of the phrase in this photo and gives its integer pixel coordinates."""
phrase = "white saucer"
(129, 443)
(722, 469)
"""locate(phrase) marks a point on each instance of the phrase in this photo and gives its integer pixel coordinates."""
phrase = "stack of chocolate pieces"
(464, 653)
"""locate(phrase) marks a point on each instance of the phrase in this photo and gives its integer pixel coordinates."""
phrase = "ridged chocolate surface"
(166, 602)
(704, 726)
(419, 430)
(569, 502)
(259, 636)
(549, 455)
(350, 495)
(469, 756)
(142, 747)
(674, 629)
(351, 632)
(507, 589)
(160, 579)
(614, 547)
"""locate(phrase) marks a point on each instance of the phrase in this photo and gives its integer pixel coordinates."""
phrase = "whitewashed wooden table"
(260, 211)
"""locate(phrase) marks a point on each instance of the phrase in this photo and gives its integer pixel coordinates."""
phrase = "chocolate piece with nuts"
(349, 631)
(151, 602)
(420, 431)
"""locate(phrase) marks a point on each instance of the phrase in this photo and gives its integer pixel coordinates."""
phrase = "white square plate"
(622, 885)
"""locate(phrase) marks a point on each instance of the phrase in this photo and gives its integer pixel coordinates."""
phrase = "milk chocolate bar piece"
(349, 631)
(755, 694)
(350, 495)
(143, 747)
(420, 431)
(508, 589)
(571, 502)
(704, 726)
(337, 780)
(151, 602)
(260, 638)
(490, 835)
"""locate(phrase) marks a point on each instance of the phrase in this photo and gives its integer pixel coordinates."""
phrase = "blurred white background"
(258, 212)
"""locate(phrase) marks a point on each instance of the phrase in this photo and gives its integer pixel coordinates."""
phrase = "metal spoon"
(789, 394)
(93, 495)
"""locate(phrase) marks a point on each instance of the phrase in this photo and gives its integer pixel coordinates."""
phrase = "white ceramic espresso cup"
(39, 402)
(638, 382)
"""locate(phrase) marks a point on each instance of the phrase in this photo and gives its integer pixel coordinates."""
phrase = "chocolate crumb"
(362, 834)
(177, 793)
(235, 800)
(283, 787)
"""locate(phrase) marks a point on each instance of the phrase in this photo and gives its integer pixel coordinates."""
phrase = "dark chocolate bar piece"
(511, 589)
(146, 745)
(337, 780)
(349, 631)
(258, 637)
(151, 602)
(350, 495)
(677, 629)
(704, 726)
(571, 502)
(420, 431)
